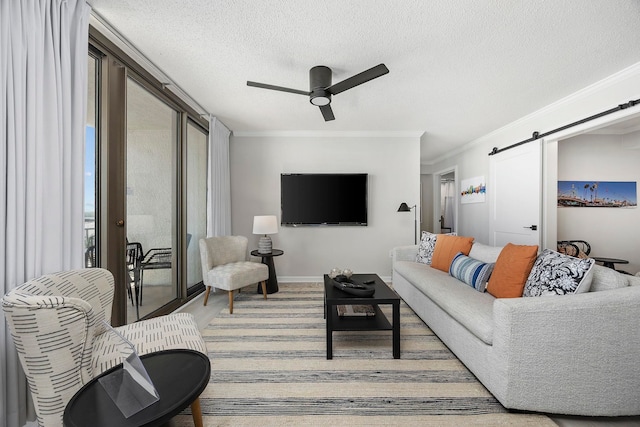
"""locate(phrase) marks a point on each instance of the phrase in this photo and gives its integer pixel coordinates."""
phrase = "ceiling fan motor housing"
(319, 81)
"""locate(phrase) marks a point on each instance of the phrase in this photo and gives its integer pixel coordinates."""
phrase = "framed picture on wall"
(597, 194)
(473, 190)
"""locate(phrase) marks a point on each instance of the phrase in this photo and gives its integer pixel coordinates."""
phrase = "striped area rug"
(269, 368)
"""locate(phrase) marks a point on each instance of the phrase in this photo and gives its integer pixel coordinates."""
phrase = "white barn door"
(515, 195)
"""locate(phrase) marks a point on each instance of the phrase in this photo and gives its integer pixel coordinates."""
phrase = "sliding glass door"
(145, 181)
(151, 171)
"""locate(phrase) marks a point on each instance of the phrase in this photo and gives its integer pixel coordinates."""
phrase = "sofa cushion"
(471, 271)
(554, 273)
(447, 247)
(512, 270)
(605, 279)
(485, 253)
(473, 310)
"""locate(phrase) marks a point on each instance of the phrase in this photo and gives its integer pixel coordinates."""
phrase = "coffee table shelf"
(379, 322)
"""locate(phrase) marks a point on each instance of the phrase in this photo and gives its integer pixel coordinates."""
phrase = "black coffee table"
(383, 295)
(179, 376)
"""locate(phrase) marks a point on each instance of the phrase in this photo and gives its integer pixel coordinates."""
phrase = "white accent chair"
(225, 266)
(57, 325)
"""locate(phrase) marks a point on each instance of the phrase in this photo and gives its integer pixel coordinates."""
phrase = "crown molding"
(328, 134)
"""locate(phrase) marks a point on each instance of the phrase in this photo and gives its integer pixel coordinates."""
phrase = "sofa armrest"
(404, 253)
(583, 346)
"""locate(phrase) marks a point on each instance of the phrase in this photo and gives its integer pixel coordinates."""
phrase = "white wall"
(611, 232)
(393, 165)
(473, 159)
(426, 184)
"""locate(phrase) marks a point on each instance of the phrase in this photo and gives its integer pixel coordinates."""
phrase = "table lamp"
(265, 224)
(405, 208)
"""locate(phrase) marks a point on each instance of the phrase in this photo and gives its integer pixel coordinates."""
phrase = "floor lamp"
(405, 208)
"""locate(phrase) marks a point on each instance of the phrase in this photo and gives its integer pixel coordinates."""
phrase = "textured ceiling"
(458, 69)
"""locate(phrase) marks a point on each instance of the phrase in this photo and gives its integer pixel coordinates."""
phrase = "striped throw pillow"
(471, 271)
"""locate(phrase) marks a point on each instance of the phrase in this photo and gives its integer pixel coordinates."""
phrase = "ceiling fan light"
(320, 100)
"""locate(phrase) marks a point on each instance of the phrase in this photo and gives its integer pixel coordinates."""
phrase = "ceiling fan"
(321, 88)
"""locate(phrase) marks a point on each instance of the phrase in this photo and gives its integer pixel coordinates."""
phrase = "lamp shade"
(404, 207)
(265, 224)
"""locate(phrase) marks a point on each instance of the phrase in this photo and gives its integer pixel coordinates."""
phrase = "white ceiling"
(458, 69)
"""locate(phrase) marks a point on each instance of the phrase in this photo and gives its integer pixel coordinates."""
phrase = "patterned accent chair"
(58, 327)
(225, 266)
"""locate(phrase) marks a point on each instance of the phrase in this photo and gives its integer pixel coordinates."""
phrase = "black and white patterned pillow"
(554, 273)
(425, 250)
(427, 245)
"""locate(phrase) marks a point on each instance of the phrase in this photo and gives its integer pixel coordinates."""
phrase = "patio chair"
(134, 268)
(156, 259)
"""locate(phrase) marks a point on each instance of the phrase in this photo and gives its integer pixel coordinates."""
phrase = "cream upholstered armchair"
(225, 266)
(56, 322)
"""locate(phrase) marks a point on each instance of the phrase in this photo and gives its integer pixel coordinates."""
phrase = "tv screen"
(323, 199)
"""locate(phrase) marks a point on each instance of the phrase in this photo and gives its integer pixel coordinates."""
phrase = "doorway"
(445, 201)
(607, 154)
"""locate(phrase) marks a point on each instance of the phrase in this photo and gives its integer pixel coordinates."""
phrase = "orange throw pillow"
(447, 247)
(512, 270)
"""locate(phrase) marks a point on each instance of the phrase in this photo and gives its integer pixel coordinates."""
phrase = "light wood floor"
(219, 300)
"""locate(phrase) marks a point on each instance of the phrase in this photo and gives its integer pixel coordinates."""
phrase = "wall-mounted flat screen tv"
(323, 199)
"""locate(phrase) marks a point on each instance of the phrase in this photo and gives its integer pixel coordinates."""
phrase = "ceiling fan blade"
(327, 112)
(358, 79)
(280, 88)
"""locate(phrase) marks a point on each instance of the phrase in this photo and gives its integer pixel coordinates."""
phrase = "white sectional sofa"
(572, 354)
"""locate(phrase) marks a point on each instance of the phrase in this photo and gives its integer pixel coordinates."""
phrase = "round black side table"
(179, 376)
(610, 262)
(267, 259)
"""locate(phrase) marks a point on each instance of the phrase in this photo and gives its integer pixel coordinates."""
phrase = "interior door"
(515, 195)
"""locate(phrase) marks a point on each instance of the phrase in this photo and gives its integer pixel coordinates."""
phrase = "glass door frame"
(198, 287)
(116, 66)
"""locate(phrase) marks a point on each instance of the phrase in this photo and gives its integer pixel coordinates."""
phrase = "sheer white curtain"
(43, 84)
(447, 194)
(219, 188)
